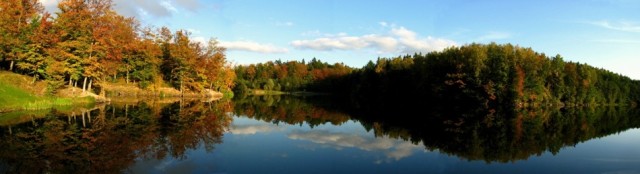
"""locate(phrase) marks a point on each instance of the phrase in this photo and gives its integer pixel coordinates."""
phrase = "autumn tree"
(40, 38)
(16, 18)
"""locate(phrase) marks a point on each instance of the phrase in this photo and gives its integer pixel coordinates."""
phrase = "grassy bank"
(121, 89)
(18, 92)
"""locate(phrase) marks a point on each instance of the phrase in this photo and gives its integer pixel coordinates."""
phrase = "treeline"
(289, 76)
(88, 41)
(487, 74)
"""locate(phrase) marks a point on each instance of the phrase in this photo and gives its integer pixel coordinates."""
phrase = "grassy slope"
(17, 92)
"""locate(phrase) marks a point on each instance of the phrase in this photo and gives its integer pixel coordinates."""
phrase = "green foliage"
(53, 86)
(290, 76)
(227, 94)
(490, 75)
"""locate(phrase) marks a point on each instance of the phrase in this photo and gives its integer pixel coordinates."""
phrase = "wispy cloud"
(167, 5)
(251, 46)
(253, 129)
(392, 148)
(397, 40)
(626, 26)
(191, 5)
(140, 8)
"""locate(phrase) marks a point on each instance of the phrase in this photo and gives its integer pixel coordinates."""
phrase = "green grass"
(15, 98)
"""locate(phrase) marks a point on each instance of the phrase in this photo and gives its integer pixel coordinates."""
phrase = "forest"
(290, 76)
(486, 74)
(86, 41)
(87, 44)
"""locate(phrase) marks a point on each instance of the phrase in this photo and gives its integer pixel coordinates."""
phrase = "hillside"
(491, 75)
(19, 92)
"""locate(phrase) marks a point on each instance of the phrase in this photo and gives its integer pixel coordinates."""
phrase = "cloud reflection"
(253, 129)
(392, 148)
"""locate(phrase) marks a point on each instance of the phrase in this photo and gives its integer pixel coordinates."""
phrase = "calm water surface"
(288, 135)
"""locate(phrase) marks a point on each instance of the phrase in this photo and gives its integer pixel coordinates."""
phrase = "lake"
(296, 135)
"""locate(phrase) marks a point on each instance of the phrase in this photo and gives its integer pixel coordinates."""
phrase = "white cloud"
(154, 8)
(167, 5)
(50, 5)
(140, 8)
(410, 43)
(253, 129)
(252, 47)
(398, 40)
(620, 26)
(384, 43)
(192, 5)
(384, 24)
(203, 41)
(326, 44)
(392, 148)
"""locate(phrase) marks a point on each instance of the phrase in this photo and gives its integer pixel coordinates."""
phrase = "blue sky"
(602, 33)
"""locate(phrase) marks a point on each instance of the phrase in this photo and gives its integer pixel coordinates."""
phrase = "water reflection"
(472, 134)
(289, 110)
(507, 136)
(253, 129)
(392, 148)
(110, 139)
(269, 131)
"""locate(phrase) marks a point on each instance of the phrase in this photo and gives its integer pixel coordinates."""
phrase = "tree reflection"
(506, 135)
(492, 135)
(111, 138)
(290, 110)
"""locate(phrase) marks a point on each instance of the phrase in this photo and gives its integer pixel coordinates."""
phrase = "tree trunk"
(35, 77)
(103, 93)
(90, 85)
(84, 85)
(83, 123)
(11, 66)
(127, 77)
(115, 77)
(73, 89)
